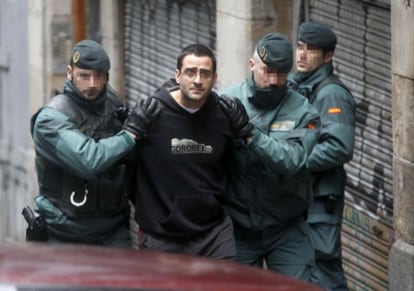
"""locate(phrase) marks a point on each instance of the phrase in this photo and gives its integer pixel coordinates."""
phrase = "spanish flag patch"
(334, 110)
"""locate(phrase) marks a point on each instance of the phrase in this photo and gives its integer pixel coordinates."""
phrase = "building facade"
(373, 58)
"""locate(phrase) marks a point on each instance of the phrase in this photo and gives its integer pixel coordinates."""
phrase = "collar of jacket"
(310, 80)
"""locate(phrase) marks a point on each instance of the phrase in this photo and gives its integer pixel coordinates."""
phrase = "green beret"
(317, 34)
(275, 50)
(88, 54)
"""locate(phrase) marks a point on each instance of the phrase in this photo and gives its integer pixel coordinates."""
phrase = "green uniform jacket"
(266, 187)
(336, 107)
(67, 152)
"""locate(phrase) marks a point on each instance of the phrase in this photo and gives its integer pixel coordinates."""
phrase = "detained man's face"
(309, 57)
(196, 79)
(89, 82)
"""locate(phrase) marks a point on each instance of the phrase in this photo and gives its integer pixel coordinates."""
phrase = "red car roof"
(56, 267)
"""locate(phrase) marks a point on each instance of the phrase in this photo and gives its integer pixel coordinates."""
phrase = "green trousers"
(287, 250)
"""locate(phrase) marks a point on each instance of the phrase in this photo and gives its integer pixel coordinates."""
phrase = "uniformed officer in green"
(268, 193)
(81, 154)
(336, 106)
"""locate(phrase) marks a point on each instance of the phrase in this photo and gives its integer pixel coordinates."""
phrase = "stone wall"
(17, 189)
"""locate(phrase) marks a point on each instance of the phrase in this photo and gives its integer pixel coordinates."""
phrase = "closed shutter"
(362, 61)
(155, 33)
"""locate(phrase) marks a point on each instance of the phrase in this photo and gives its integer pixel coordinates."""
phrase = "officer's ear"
(327, 56)
(69, 73)
(251, 64)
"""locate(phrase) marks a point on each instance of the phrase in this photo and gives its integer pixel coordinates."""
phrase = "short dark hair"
(198, 50)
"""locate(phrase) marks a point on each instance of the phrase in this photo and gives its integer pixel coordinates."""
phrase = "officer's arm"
(57, 139)
(336, 143)
(288, 155)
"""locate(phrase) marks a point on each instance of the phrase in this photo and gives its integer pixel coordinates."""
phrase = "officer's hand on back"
(141, 116)
(237, 115)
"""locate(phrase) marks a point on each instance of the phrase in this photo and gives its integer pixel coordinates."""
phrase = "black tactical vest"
(104, 194)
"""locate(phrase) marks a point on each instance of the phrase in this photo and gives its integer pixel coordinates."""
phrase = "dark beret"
(275, 50)
(317, 34)
(88, 54)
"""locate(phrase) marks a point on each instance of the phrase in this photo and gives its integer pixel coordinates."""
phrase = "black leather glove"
(121, 113)
(141, 116)
(237, 115)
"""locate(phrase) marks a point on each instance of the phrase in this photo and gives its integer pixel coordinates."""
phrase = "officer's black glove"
(141, 116)
(330, 204)
(237, 115)
(121, 113)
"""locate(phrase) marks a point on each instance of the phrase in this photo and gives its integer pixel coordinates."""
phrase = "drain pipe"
(79, 20)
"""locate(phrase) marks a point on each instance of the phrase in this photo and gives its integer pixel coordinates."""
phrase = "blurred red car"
(36, 266)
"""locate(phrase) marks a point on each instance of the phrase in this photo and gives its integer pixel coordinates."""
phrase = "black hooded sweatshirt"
(180, 177)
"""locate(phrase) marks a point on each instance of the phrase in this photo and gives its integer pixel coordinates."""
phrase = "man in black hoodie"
(180, 175)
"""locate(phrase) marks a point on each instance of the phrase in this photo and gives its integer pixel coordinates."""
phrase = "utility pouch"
(330, 204)
(112, 189)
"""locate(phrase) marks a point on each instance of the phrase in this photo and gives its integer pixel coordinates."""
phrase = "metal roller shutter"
(362, 60)
(155, 33)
